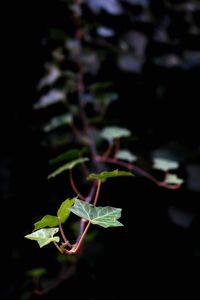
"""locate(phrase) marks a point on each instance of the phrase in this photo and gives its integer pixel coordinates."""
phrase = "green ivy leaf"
(52, 221)
(63, 211)
(126, 155)
(164, 164)
(103, 216)
(44, 236)
(68, 155)
(106, 174)
(46, 221)
(114, 132)
(68, 166)
(173, 179)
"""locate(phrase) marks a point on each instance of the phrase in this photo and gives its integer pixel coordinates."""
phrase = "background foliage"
(150, 52)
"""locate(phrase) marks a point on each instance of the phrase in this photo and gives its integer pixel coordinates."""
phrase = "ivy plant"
(106, 216)
(81, 141)
(90, 134)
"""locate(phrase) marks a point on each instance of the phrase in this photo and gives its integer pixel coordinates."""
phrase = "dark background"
(169, 121)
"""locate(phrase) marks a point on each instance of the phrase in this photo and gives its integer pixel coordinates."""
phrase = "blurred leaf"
(129, 62)
(105, 175)
(126, 155)
(52, 97)
(57, 122)
(91, 62)
(63, 211)
(58, 55)
(103, 216)
(53, 73)
(68, 166)
(111, 7)
(169, 60)
(105, 31)
(37, 272)
(44, 236)
(114, 132)
(46, 221)
(99, 100)
(72, 45)
(68, 155)
(164, 164)
(107, 98)
(173, 179)
(138, 41)
(100, 87)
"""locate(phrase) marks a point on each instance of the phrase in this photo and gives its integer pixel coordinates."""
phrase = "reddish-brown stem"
(97, 192)
(138, 170)
(83, 230)
(58, 247)
(77, 246)
(168, 186)
(74, 186)
(88, 199)
(92, 192)
(66, 242)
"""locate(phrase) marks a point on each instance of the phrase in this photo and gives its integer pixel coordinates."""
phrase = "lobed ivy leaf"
(108, 174)
(46, 221)
(68, 166)
(164, 164)
(103, 216)
(173, 179)
(113, 132)
(126, 155)
(44, 236)
(52, 221)
(64, 210)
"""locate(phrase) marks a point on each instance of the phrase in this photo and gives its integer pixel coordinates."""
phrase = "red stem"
(138, 170)
(83, 229)
(74, 186)
(97, 192)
